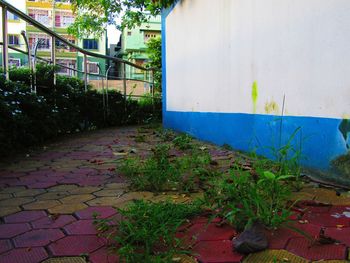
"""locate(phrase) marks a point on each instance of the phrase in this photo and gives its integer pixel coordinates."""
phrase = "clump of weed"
(147, 231)
(166, 135)
(183, 142)
(342, 164)
(242, 199)
(161, 172)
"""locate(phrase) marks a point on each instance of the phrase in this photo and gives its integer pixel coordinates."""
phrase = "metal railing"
(32, 55)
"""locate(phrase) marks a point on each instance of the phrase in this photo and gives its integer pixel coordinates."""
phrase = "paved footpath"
(48, 198)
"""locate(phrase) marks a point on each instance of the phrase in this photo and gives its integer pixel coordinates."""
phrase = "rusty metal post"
(53, 58)
(5, 54)
(124, 84)
(85, 72)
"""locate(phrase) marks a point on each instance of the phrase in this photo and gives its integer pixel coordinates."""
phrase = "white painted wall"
(301, 49)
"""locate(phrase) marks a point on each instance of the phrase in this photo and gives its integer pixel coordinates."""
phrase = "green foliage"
(183, 142)
(93, 16)
(160, 172)
(242, 199)
(147, 231)
(28, 119)
(154, 52)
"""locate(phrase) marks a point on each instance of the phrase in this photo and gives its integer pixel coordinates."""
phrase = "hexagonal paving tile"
(302, 248)
(12, 230)
(75, 245)
(24, 216)
(42, 185)
(102, 211)
(17, 201)
(66, 260)
(5, 196)
(67, 208)
(103, 255)
(38, 237)
(52, 196)
(77, 198)
(81, 227)
(29, 192)
(5, 245)
(216, 251)
(110, 192)
(33, 255)
(11, 190)
(53, 221)
(8, 210)
(42, 204)
(85, 190)
(274, 256)
(63, 188)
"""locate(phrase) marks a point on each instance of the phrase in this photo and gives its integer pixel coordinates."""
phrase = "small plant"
(147, 231)
(166, 135)
(242, 199)
(160, 172)
(183, 142)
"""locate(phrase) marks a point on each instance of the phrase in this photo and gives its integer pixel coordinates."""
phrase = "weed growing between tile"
(147, 231)
(251, 189)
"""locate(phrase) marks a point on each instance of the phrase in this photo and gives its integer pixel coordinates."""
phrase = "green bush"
(28, 119)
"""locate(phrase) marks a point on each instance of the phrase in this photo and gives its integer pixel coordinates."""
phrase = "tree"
(94, 15)
(154, 52)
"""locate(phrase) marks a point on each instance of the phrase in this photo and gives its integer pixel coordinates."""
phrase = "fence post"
(5, 43)
(124, 84)
(53, 58)
(85, 72)
(25, 37)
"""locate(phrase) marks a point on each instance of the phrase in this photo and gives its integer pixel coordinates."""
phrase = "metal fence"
(101, 76)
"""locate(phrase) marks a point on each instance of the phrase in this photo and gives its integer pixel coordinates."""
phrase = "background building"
(58, 16)
(133, 44)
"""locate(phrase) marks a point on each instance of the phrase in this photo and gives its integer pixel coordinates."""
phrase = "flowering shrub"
(28, 119)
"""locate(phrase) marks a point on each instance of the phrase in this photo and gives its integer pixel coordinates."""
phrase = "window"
(14, 62)
(93, 67)
(149, 35)
(67, 21)
(42, 16)
(90, 44)
(129, 33)
(44, 41)
(13, 40)
(11, 16)
(66, 63)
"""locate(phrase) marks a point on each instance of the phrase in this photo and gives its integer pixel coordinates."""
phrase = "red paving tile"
(81, 227)
(38, 237)
(102, 211)
(216, 252)
(326, 219)
(24, 255)
(278, 239)
(341, 234)
(47, 222)
(24, 216)
(103, 256)
(12, 230)
(76, 245)
(204, 232)
(5, 245)
(301, 247)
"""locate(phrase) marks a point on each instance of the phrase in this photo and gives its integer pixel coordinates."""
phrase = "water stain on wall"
(344, 128)
(254, 95)
(342, 163)
(271, 107)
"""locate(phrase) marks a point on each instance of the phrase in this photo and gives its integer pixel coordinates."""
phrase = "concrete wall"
(234, 66)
